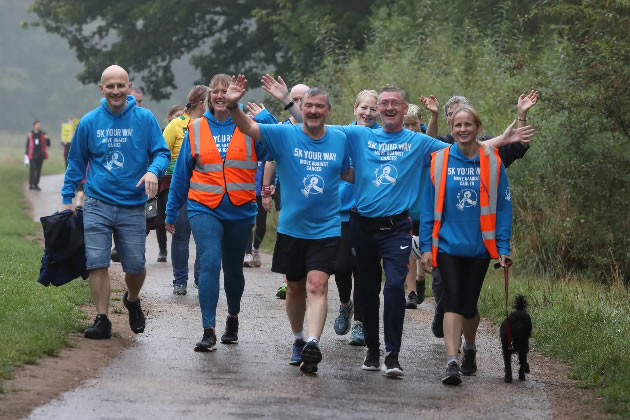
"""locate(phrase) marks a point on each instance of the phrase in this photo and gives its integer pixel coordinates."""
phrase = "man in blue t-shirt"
(311, 160)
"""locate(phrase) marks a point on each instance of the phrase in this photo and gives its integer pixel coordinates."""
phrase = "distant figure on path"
(117, 140)
(37, 143)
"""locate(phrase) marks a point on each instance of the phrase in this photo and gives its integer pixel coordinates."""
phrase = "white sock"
(450, 359)
(298, 336)
(314, 339)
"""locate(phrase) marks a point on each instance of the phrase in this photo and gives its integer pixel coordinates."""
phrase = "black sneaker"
(230, 336)
(36, 188)
(162, 256)
(392, 367)
(311, 356)
(412, 301)
(452, 376)
(136, 316)
(437, 327)
(420, 290)
(469, 363)
(208, 342)
(372, 360)
(115, 256)
(102, 328)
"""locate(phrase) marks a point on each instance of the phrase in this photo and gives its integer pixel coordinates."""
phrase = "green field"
(34, 320)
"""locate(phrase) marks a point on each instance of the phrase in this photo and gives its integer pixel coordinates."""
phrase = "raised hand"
(236, 90)
(276, 88)
(525, 102)
(254, 108)
(522, 134)
(431, 103)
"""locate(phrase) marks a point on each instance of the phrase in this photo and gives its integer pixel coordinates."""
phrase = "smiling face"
(464, 129)
(365, 111)
(115, 86)
(315, 110)
(392, 108)
(217, 97)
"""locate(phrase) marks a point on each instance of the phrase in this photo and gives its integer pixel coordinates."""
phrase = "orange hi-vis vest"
(489, 168)
(213, 176)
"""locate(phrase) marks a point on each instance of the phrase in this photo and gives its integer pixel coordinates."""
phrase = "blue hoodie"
(118, 148)
(180, 183)
(460, 234)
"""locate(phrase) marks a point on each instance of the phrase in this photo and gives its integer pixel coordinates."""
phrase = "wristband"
(265, 191)
(231, 108)
(289, 105)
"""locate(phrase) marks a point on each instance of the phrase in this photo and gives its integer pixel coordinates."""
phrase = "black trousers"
(344, 272)
(35, 171)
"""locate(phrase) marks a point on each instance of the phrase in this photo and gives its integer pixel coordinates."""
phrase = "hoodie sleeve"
(180, 182)
(265, 117)
(426, 216)
(78, 158)
(159, 153)
(504, 214)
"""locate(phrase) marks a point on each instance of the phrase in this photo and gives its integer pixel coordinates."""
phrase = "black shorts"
(461, 281)
(295, 257)
(416, 227)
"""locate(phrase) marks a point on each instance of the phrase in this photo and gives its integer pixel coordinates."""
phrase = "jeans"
(219, 242)
(179, 249)
(127, 224)
(393, 246)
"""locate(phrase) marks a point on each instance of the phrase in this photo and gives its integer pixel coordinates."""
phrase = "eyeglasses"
(394, 104)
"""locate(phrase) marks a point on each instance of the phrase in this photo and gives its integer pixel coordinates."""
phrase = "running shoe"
(162, 256)
(392, 366)
(256, 258)
(356, 335)
(437, 324)
(230, 336)
(115, 257)
(372, 360)
(412, 301)
(208, 342)
(452, 377)
(247, 262)
(136, 316)
(342, 323)
(296, 356)
(311, 356)
(102, 328)
(282, 291)
(179, 290)
(469, 363)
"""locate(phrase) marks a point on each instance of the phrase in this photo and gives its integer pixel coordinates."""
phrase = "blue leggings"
(219, 242)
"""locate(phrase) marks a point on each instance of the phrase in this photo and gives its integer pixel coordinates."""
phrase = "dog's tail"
(520, 303)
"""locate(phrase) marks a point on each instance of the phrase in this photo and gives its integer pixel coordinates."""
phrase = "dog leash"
(506, 269)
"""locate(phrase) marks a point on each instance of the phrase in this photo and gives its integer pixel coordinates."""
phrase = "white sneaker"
(256, 258)
(247, 262)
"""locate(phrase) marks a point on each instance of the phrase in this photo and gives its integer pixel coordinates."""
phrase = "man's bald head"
(115, 87)
(114, 70)
(297, 93)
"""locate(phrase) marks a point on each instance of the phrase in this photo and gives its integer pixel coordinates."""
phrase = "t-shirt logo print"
(466, 198)
(386, 174)
(313, 184)
(115, 160)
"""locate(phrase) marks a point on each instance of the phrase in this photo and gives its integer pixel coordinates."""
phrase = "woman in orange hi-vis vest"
(214, 176)
(466, 221)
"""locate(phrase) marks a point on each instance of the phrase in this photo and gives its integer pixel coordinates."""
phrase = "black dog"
(521, 330)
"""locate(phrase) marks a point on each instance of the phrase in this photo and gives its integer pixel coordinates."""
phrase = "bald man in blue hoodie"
(117, 140)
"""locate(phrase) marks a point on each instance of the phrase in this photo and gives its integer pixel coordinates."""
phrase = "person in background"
(37, 144)
(174, 134)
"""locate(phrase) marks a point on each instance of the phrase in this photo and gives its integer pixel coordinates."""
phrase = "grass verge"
(34, 320)
(584, 324)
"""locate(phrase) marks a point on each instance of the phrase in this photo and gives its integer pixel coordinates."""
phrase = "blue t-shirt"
(309, 172)
(387, 167)
(460, 233)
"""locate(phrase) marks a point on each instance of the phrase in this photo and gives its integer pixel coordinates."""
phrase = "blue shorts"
(127, 224)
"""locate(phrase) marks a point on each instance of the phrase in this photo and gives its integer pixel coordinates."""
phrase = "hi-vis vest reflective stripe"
(489, 168)
(212, 176)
